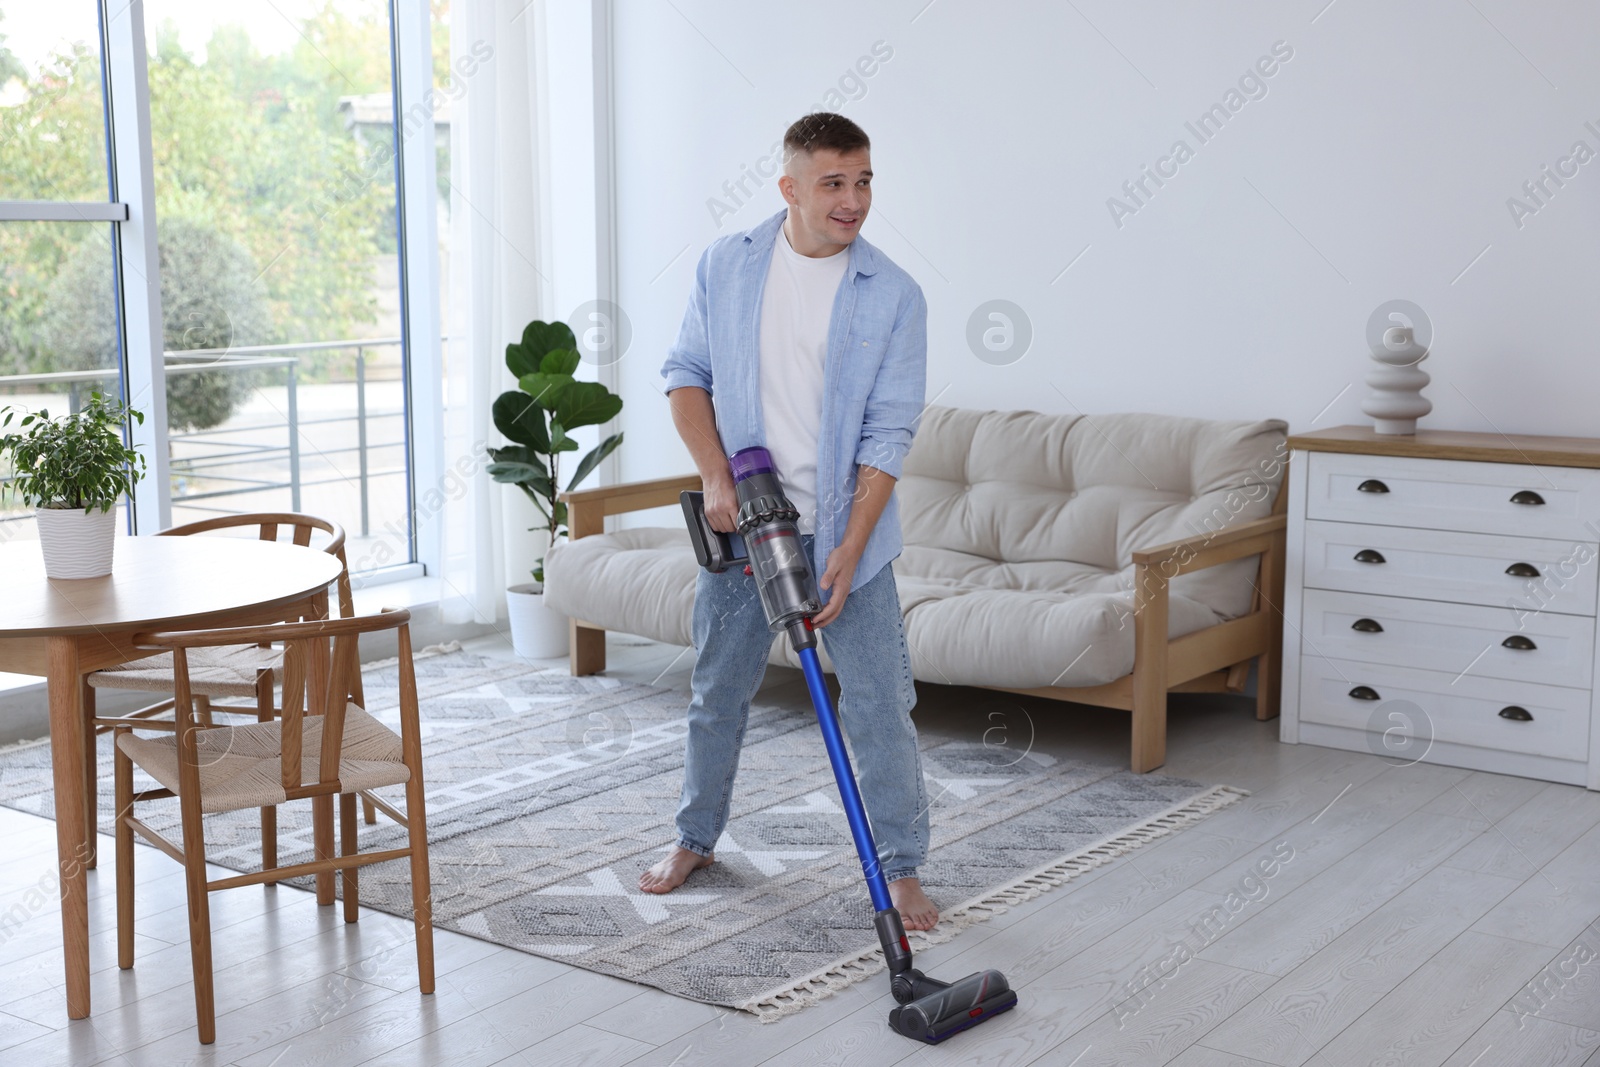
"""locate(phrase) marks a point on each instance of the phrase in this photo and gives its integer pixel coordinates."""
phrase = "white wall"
(1377, 166)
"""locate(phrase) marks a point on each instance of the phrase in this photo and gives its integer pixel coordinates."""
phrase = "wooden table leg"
(67, 759)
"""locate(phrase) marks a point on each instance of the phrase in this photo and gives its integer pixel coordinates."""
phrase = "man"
(802, 337)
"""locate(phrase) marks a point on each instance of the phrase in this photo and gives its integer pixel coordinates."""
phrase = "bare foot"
(669, 874)
(917, 912)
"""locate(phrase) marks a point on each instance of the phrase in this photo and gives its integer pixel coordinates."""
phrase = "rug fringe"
(841, 974)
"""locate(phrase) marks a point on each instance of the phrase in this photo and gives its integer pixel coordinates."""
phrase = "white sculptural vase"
(1396, 401)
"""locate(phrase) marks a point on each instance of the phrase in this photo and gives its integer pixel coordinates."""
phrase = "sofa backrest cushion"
(1019, 486)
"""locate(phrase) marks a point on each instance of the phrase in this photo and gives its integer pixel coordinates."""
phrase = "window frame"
(130, 207)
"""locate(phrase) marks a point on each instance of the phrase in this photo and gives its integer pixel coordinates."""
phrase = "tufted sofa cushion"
(1019, 533)
(1020, 530)
(1020, 500)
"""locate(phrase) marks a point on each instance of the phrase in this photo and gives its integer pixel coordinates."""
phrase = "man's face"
(828, 193)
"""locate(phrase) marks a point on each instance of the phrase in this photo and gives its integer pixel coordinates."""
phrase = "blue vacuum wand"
(769, 542)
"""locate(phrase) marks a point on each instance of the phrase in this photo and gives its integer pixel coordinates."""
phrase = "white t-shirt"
(796, 310)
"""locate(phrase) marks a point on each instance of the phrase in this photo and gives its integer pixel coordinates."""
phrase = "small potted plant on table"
(73, 470)
(536, 418)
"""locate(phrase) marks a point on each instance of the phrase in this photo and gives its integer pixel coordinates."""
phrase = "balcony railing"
(253, 455)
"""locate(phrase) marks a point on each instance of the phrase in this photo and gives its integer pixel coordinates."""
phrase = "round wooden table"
(67, 629)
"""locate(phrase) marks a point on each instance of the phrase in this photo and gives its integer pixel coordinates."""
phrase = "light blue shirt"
(874, 381)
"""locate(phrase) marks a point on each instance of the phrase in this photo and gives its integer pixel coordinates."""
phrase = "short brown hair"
(823, 129)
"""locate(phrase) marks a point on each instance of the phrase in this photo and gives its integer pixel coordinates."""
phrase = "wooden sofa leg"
(587, 649)
(1237, 676)
(1269, 666)
(1149, 729)
(1149, 672)
(1269, 680)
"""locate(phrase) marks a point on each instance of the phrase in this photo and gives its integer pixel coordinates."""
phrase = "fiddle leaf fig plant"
(75, 462)
(537, 417)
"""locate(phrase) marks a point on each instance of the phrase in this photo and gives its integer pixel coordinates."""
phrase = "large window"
(263, 149)
(52, 356)
(272, 129)
(52, 109)
(53, 152)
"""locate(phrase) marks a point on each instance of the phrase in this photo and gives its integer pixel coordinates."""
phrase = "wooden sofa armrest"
(1209, 549)
(1158, 663)
(587, 508)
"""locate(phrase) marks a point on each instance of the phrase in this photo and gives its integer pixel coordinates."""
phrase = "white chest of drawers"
(1440, 600)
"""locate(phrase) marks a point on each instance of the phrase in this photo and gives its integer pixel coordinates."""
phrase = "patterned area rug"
(548, 794)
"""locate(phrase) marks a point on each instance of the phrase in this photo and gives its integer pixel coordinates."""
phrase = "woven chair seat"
(228, 671)
(241, 766)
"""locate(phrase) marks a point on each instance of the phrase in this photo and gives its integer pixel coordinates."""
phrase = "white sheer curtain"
(496, 284)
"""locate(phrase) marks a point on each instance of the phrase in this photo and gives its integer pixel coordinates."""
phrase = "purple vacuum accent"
(748, 462)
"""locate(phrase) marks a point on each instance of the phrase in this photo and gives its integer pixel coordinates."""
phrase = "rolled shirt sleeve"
(896, 401)
(689, 358)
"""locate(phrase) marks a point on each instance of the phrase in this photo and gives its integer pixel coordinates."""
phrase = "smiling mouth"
(847, 221)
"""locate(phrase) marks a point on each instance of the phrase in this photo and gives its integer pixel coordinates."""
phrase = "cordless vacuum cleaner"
(768, 542)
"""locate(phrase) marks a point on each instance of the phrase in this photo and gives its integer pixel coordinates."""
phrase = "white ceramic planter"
(536, 631)
(77, 543)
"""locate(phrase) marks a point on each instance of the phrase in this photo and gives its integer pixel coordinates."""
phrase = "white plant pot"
(77, 543)
(536, 631)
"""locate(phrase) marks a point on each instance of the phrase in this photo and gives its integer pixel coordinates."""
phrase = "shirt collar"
(759, 241)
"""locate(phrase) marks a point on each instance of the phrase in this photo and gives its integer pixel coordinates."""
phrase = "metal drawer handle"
(1372, 485)
(1518, 643)
(1369, 626)
(1516, 714)
(1523, 570)
(1366, 692)
(1368, 555)
(1526, 496)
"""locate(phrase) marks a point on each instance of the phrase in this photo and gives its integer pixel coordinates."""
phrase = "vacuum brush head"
(954, 1007)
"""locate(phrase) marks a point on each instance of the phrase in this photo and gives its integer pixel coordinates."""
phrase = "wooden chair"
(323, 745)
(246, 671)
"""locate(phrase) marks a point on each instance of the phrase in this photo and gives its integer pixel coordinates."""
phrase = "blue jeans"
(867, 644)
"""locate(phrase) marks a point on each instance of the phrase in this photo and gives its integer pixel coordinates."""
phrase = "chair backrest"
(300, 527)
(316, 681)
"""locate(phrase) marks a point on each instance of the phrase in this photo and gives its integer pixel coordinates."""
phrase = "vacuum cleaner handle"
(714, 550)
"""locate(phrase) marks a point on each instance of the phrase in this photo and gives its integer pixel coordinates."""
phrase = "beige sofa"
(1104, 559)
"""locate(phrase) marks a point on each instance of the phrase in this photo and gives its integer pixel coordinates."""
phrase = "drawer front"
(1441, 494)
(1467, 713)
(1466, 642)
(1468, 568)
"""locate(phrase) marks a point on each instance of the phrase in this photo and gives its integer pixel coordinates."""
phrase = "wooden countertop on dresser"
(1454, 444)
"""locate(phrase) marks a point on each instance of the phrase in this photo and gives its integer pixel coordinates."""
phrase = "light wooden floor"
(1427, 916)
